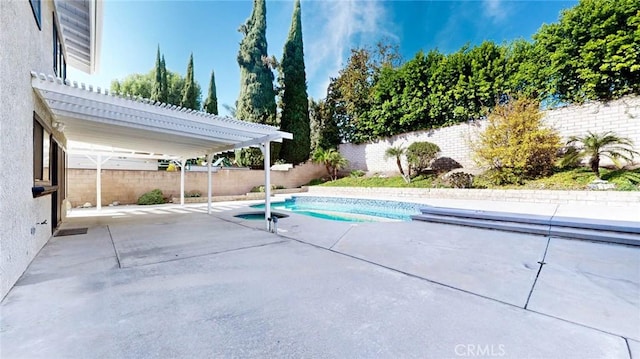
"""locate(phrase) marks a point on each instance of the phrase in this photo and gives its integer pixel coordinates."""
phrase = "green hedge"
(152, 197)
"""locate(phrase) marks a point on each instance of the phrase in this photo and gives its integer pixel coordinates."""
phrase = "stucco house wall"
(23, 48)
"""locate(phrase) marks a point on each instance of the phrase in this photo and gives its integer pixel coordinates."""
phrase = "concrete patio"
(173, 281)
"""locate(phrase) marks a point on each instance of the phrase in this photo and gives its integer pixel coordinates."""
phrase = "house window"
(41, 153)
(35, 7)
(59, 63)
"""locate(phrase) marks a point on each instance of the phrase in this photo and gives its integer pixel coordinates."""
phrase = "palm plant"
(597, 145)
(397, 152)
(332, 160)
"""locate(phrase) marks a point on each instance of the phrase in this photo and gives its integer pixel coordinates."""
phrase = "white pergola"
(149, 128)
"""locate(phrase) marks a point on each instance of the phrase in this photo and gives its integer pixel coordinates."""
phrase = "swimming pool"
(348, 209)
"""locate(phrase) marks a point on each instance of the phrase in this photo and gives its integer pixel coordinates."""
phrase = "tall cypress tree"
(189, 94)
(156, 92)
(211, 103)
(164, 89)
(295, 102)
(256, 101)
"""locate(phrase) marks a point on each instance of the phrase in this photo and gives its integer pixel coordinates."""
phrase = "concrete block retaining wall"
(601, 198)
(621, 116)
(126, 186)
(240, 197)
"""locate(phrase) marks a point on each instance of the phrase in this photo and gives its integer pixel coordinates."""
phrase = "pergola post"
(266, 151)
(182, 165)
(99, 182)
(209, 182)
(98, 162)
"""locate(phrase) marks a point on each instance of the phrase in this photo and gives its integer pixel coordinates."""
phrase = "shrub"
(503, 176)
(316, 181)
(250, 157)
(420, 155)
(515, 145)
(260, 189)
(627, 187)
(460, 180)
(625, 180)
(357, 173)
(569, 157)
(444, 164)
(597, 145)
(152, 197)
(332, 160)
(396, 152)
(193, 194)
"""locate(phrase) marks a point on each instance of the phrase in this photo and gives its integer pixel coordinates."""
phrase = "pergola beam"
(121, 154)
(258, 142)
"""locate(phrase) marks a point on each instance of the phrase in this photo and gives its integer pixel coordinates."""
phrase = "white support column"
(266, 151)
(99, 183)
(98, 162)
(182, 166)
(209, 184)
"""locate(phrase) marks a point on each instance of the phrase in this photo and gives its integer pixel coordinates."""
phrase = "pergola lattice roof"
(139, 124)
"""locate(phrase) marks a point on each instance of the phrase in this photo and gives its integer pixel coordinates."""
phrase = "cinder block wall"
(621, 116)
(126, 186)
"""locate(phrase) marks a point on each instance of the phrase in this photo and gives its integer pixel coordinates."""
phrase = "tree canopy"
(142, 85)
(591, 53)
(295, 103)
(256, 101)
(593, 50)
(190, 94)
(324, 130)
(211, 103)
(349, 94)
(160, 91)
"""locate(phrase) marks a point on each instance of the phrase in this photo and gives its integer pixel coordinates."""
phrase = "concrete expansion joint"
(115, 251)
(408, 274)
(411, 275)
(341, 237)
(626, 341)
(542, 263)
(177, 258)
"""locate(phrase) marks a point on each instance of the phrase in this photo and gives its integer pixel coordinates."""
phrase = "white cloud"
(333, 27)
(494, 9)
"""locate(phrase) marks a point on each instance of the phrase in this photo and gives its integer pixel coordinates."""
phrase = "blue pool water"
(348, 209)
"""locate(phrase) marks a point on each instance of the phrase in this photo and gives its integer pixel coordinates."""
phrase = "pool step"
(484, 223)
(623, 232)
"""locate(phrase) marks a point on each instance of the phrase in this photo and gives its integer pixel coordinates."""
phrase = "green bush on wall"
(516, 145)
(152, 197)
(420, 155)
(460, 180)
(260, 189)
(444, 164)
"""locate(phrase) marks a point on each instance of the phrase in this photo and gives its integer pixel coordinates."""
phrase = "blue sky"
(132, 30)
